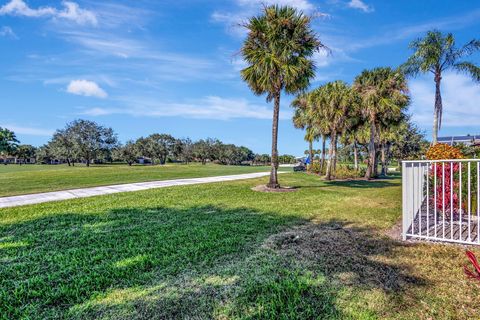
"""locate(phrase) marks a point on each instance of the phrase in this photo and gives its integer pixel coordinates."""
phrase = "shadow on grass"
(199, 262)
(363, 184)
(357, 184)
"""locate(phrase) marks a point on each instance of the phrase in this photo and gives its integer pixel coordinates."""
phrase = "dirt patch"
(348, 255)
(264, 188)
(395, 232)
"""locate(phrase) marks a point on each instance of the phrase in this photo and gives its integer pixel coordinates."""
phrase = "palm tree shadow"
(361, 184)
(357, 184)
(168, 263)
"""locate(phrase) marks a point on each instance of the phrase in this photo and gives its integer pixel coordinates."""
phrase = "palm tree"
(353, 128)
(436, 53)
(278, 51)
(384, 93)
(302, 120)
(387, 135)
(334, 101)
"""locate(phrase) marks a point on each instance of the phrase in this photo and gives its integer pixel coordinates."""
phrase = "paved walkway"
(96, 191)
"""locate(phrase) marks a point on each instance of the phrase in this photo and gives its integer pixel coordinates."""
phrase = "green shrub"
(344, 171)
(315, 168)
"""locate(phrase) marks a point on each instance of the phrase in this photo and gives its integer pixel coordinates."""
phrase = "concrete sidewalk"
(14, 201)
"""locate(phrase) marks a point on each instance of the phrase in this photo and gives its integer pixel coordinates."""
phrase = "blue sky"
(173, 66)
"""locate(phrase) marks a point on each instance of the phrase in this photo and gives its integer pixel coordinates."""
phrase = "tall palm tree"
(334, 102)
(302, 120)
(383, 93)
(353, 128)
(278, 50)
(436, 53)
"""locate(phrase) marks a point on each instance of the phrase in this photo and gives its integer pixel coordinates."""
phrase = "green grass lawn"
(223, 251)
(25, 179)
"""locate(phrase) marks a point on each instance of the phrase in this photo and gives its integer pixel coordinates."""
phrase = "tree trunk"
(437, 113)
(384, 160)
(310, 152)
(68, 162)
(335, 154)
(273, 183)
(355, 154)
(331, 156)
(371, 150)
(322, 163)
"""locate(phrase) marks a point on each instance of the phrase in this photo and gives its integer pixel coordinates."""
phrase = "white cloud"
(86, 88)
(6, 31)
(210, 107)
(73, 12)
(360, 5)
(20, 8)
(70, 12)
(460, 97)
(31, 131)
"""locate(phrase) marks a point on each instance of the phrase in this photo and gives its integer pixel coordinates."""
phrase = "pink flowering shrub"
(447, 176)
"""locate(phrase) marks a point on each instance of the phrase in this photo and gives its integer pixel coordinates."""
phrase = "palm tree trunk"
(273, 183)
(322, 162)
(310, 151)
(335, 154)
(355, 154)
(384, 160)
(331, 156)
(371, 150)
(437, 113)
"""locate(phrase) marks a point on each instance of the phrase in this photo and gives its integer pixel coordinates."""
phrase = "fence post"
(404, 201)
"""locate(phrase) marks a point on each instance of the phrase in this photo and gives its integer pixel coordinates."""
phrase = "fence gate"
(441, 200)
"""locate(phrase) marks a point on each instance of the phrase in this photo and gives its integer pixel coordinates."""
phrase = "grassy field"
(25, 179)
(223, 251)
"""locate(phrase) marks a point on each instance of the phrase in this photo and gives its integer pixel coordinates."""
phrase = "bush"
(343, 171)
(349, 172)
(315, 168)
(450, 173)
(442, 151)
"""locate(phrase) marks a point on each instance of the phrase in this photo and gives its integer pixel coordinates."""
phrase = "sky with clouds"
(173, 66)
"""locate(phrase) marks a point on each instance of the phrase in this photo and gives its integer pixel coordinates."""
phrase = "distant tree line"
(84, 141)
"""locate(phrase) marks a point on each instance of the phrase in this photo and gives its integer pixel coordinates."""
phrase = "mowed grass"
(25, 179)
(223, 251)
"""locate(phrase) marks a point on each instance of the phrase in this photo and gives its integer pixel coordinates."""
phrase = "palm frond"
(469, 68)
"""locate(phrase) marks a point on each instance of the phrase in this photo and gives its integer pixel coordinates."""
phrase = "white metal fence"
(441, 200)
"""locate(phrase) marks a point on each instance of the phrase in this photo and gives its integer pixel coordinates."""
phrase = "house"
(7, 160)
(467, 140)
(14, 160)
(144, 160)
(56, 161)
(26, 161)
